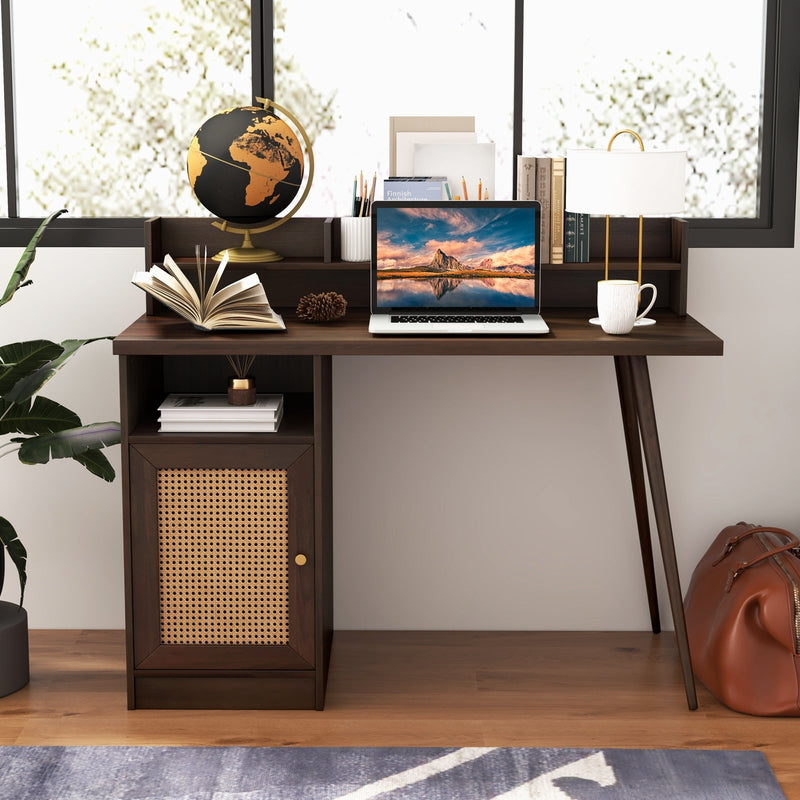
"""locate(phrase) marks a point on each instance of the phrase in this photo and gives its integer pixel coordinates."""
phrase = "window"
(682, 87)
(106, 110)
(419, 58)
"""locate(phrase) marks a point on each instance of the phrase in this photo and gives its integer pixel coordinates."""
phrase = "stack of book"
(565, 234)
(181, 413)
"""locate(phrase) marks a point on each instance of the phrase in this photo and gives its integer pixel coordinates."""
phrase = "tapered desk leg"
(630, 425)
(645, 413)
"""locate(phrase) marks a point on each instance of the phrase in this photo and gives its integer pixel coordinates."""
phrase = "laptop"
(456, 267)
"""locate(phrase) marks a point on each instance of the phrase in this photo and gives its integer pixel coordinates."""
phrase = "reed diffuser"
(241, 386)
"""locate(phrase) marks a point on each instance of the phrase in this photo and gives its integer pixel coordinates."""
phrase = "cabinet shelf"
(297, 427)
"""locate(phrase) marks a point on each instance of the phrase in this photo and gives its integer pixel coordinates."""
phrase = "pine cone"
(322, 307)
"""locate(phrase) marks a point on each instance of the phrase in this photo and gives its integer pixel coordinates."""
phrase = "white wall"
(469, 492)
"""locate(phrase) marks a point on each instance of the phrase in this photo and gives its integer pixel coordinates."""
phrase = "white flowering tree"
(673, 103)
(148, 86)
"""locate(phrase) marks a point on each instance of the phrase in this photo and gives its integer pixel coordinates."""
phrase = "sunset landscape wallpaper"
(476, 256)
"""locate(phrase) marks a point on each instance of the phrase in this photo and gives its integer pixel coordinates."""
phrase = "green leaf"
(29, 384)
(42, 416)
(21, 359)
(97, 464)
(23, 265)
(69, 443)
(16, 551)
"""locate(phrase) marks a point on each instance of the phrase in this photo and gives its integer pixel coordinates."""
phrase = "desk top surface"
(570, 334)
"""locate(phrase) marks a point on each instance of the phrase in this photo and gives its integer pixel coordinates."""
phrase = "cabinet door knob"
(300, 559)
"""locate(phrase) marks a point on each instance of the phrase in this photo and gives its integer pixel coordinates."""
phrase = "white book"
(186, 406)
(221, 426)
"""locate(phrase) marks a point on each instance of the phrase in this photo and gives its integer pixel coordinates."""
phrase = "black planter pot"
(14, 670)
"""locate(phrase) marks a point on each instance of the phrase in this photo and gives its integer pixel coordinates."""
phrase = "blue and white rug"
(389, 773)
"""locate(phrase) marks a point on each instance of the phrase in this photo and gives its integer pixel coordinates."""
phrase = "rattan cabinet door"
(221, 555)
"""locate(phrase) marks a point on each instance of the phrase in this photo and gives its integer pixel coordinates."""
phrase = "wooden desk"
(159, 354)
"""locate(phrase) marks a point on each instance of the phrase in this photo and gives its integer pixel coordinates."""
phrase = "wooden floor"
(411, 688)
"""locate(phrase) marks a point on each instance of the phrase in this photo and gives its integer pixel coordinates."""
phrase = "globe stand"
(248, 253)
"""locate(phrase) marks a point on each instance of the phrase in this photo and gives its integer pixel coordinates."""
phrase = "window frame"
(773, 227)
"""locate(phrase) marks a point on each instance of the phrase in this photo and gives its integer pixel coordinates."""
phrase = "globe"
(245, 164)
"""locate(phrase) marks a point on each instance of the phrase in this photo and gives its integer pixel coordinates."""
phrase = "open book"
(240, 305)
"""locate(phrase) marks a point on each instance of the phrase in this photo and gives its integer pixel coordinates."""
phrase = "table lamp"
(626, 183)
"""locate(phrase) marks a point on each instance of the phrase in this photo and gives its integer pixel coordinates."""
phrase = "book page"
(232, 292)
(233, 319)
(214, 283)
(242, 304)
(164, 287)
(183, 281)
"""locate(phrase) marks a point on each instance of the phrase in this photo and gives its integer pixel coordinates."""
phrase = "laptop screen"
(455, 255)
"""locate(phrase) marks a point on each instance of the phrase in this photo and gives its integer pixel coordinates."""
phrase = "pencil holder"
(356, 233)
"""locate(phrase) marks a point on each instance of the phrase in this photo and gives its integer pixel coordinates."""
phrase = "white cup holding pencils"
(356, 235)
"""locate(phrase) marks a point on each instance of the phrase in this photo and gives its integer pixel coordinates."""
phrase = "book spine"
(543, 182)
(166, 416)
(557, 211)
(211, 427)
(526, 178)
(582, 239)
(570, 237)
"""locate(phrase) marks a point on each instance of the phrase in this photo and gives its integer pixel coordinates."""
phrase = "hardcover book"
(544, 173)
(220, 426)
(526, 178)
(180, 406)
(240, 305)
(414, 189)
(582, 238)
(212, 413)
(570, 237)
(557, 210)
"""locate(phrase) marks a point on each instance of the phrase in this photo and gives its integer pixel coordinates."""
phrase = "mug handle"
(652, 299)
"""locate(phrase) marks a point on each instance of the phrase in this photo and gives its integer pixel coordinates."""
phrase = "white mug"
(617, 303)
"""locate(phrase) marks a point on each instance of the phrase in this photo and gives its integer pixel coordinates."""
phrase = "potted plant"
(37, 429)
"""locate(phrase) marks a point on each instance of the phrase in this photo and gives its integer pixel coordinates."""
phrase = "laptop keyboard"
(425, 318)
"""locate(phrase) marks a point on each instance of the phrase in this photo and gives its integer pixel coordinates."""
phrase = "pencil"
(480, 189)
(371, 193)
(464, 188)
(355, 194)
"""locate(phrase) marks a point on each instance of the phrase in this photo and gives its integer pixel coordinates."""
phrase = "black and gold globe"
(247, 165)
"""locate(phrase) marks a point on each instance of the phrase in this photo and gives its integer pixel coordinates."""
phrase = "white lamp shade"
(625, 183)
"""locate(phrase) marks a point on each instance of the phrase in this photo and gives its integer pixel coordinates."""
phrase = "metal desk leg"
(645, 412)
(630, 425)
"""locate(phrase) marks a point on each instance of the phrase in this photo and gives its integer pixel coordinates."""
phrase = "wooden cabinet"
(222, 568)
(228, 576)
(227, 556)
(227, 536)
